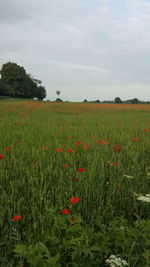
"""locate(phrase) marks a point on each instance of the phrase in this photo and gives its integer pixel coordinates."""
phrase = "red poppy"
(65, 212)
(78, 143)
(7, 149)
(115, 163)
(17, 122)
(136, 139)
(75, 200)
(17, 218)
(73, 219)
(44, 148)
(1, 157)
(81, 170)
(65, 165)
(145, 130)
(70, 150)
(58, 149)
(75, 179)
(100, 141)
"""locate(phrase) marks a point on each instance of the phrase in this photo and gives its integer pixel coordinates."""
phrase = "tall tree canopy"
(15, 82)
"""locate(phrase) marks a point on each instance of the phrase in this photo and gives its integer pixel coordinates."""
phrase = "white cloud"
(86, 45)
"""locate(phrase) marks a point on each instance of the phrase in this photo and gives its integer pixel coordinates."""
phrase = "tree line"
(118, 100)
(15, 82)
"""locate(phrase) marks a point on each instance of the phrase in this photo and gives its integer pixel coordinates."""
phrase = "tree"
(118, 100)
(134, 101)
(16, 83)
(5, 89)
(85, 101)
(58, 100)
(41, 92)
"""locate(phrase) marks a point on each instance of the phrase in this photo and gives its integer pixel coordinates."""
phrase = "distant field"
(73, 173)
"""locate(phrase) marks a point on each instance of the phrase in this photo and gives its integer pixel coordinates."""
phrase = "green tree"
(118, 100)
(16, 83)
(41, 92)
(5, 89)
(134, 101)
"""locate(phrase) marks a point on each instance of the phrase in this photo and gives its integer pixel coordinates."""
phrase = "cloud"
(83, 44)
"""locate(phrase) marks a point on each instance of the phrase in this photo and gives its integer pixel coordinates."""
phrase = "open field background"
(54, 152)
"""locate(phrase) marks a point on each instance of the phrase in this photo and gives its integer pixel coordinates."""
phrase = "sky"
(87, 49)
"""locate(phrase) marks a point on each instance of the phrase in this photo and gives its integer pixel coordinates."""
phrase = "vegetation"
(15, 82)
(74, 182)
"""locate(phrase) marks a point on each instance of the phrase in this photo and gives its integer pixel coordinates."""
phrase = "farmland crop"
(75, 184)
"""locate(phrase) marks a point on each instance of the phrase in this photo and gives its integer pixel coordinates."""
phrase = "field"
(74, 184)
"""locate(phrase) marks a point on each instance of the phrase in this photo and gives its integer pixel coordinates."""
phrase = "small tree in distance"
(118, 100)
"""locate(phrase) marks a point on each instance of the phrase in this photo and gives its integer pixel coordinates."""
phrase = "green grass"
(35, 184)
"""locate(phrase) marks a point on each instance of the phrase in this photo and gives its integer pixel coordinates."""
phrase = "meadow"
(74, 184)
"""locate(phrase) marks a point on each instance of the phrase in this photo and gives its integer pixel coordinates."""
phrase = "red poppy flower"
(75, 179)
(17, 122)
(58, 149)
(1, 157)
(44, 148)
(78, 143)
(65, 212)
(145, 130)
(7, 149)
(81, 170)
(70, 150)
(65, 165)
(136, 139)
(73, 219)
(17, 218)
(75, 200)
(100, 141)
(115, 163)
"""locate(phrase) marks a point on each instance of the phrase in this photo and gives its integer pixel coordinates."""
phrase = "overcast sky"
(93, 49)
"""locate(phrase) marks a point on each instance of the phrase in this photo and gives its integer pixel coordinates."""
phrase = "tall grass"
(35, 184)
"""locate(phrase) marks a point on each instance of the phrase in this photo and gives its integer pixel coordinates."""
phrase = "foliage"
(118, 100)
(16, 83)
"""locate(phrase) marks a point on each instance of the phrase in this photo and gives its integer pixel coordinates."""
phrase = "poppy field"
(75, 184)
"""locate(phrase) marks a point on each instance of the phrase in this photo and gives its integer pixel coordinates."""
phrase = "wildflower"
(145, 130)
(7, 149)
(115, 261)
(136, 139)
(44, 148)
(78, 143)
(58, 149)
(17, 123)
(100, 141)
(65, 165)
(75, 200)
(73, 219)
(70, 150)
(75, 179)
(115, 163)
(1, 157)
(17, 218)
(145, 198)
(65, 212)
(81, 170)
